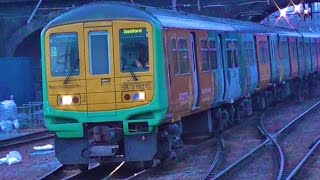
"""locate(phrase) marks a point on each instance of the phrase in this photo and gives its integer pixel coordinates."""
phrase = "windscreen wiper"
(72, 68)
(133, 75)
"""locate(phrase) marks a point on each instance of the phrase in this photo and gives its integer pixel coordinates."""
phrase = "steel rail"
(209, 172)
(279, 149)
(183, 153)
(32, 137)
(303, 161)
(273, 136)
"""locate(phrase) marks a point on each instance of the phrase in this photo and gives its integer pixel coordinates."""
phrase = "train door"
(181, 84)
(301, 58)
(249, 58)
(318, 53)
(275, 63)
(218, 71)
(232, 69)
(293, 57)
(99, 68)
(313, 55)
(307, 54)
(206, 63)
(263, 61)
(285, 62)
(193, 38)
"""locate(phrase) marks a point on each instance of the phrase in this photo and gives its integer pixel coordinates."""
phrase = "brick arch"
(17, 37)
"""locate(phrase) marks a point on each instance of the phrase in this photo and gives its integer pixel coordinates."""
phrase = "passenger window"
(263, 55)
(134, 50)
(175, 55)
(251, 53)
(235, 53)
(204, 55)
(213, 55)
(283, 50)
(99, 53)
(183, 56)
(229, 53)
(64, 54)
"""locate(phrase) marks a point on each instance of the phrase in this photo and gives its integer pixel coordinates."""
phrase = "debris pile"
(8, 113)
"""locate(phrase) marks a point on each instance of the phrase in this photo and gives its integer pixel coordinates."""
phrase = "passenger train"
(122, 82)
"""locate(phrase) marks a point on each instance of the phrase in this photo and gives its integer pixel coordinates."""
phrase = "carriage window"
(235, 53)
(246, 52)
(306, 48)
(229, 53)
(232, 54)
(300, 50)
(251, 53)
(134, 50)
(99, 53)
(293, 49)
(64, 54)
(183, 56)
(283, 50)
(175, 56)
(204, 55)
(213, 55)
(263, 54)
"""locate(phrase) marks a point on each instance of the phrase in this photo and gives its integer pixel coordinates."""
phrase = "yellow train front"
(102, 97)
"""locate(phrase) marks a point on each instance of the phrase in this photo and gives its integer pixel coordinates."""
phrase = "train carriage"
(121, 80)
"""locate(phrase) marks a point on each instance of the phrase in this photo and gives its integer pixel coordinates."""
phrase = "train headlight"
(139, 96)
(66, 100)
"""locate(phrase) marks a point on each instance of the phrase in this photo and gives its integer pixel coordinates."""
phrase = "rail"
(271, 138)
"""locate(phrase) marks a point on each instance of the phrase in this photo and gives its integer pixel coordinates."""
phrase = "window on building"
(183, 56)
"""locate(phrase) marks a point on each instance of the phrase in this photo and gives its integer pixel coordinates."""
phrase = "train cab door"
(196, 88)
(99, 68)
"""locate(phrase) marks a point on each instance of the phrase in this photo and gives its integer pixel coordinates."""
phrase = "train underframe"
(106, 143)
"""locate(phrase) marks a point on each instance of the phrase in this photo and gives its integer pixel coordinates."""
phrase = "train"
(123, 82)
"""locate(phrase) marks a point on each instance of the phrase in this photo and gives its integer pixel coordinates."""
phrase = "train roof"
(310, 35)
(99, 11)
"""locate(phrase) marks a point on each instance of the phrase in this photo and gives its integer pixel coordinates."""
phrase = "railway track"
(116, 170)
(282, 173)
(24, 139)
(182, 154)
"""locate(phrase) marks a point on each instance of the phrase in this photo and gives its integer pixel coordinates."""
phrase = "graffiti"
(205, 91)
(183, 98)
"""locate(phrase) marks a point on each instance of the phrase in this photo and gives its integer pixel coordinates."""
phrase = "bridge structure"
(21, 21)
